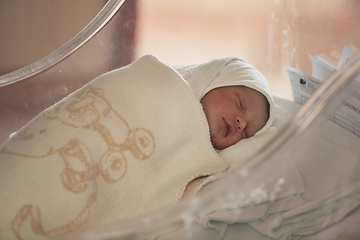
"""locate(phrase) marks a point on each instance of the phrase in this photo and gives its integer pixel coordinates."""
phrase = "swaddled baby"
(103, 154)
(235, 97)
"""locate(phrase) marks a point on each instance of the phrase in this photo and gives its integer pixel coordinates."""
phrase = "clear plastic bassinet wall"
(303, 184)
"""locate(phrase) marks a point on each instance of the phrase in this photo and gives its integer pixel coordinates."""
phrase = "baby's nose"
(240, 123)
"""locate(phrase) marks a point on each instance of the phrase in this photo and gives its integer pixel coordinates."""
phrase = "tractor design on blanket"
(88, 112)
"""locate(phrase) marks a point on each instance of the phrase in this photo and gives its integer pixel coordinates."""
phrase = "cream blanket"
(126, 144)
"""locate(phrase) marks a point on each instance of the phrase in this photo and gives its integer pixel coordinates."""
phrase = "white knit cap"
(222, 72)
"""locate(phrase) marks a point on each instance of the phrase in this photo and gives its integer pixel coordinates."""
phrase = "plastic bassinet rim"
(100, 20)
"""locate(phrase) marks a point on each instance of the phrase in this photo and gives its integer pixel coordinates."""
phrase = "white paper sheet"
(304, 85)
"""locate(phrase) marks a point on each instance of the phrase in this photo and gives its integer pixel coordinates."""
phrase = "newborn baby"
(234, 113)
(235, 97)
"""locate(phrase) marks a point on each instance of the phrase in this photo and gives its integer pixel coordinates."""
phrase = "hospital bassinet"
(302, 184)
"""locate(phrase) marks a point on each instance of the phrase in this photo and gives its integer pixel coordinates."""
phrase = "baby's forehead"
(244, 89)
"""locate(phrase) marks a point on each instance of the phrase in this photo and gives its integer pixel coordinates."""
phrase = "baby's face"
(234, 113)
